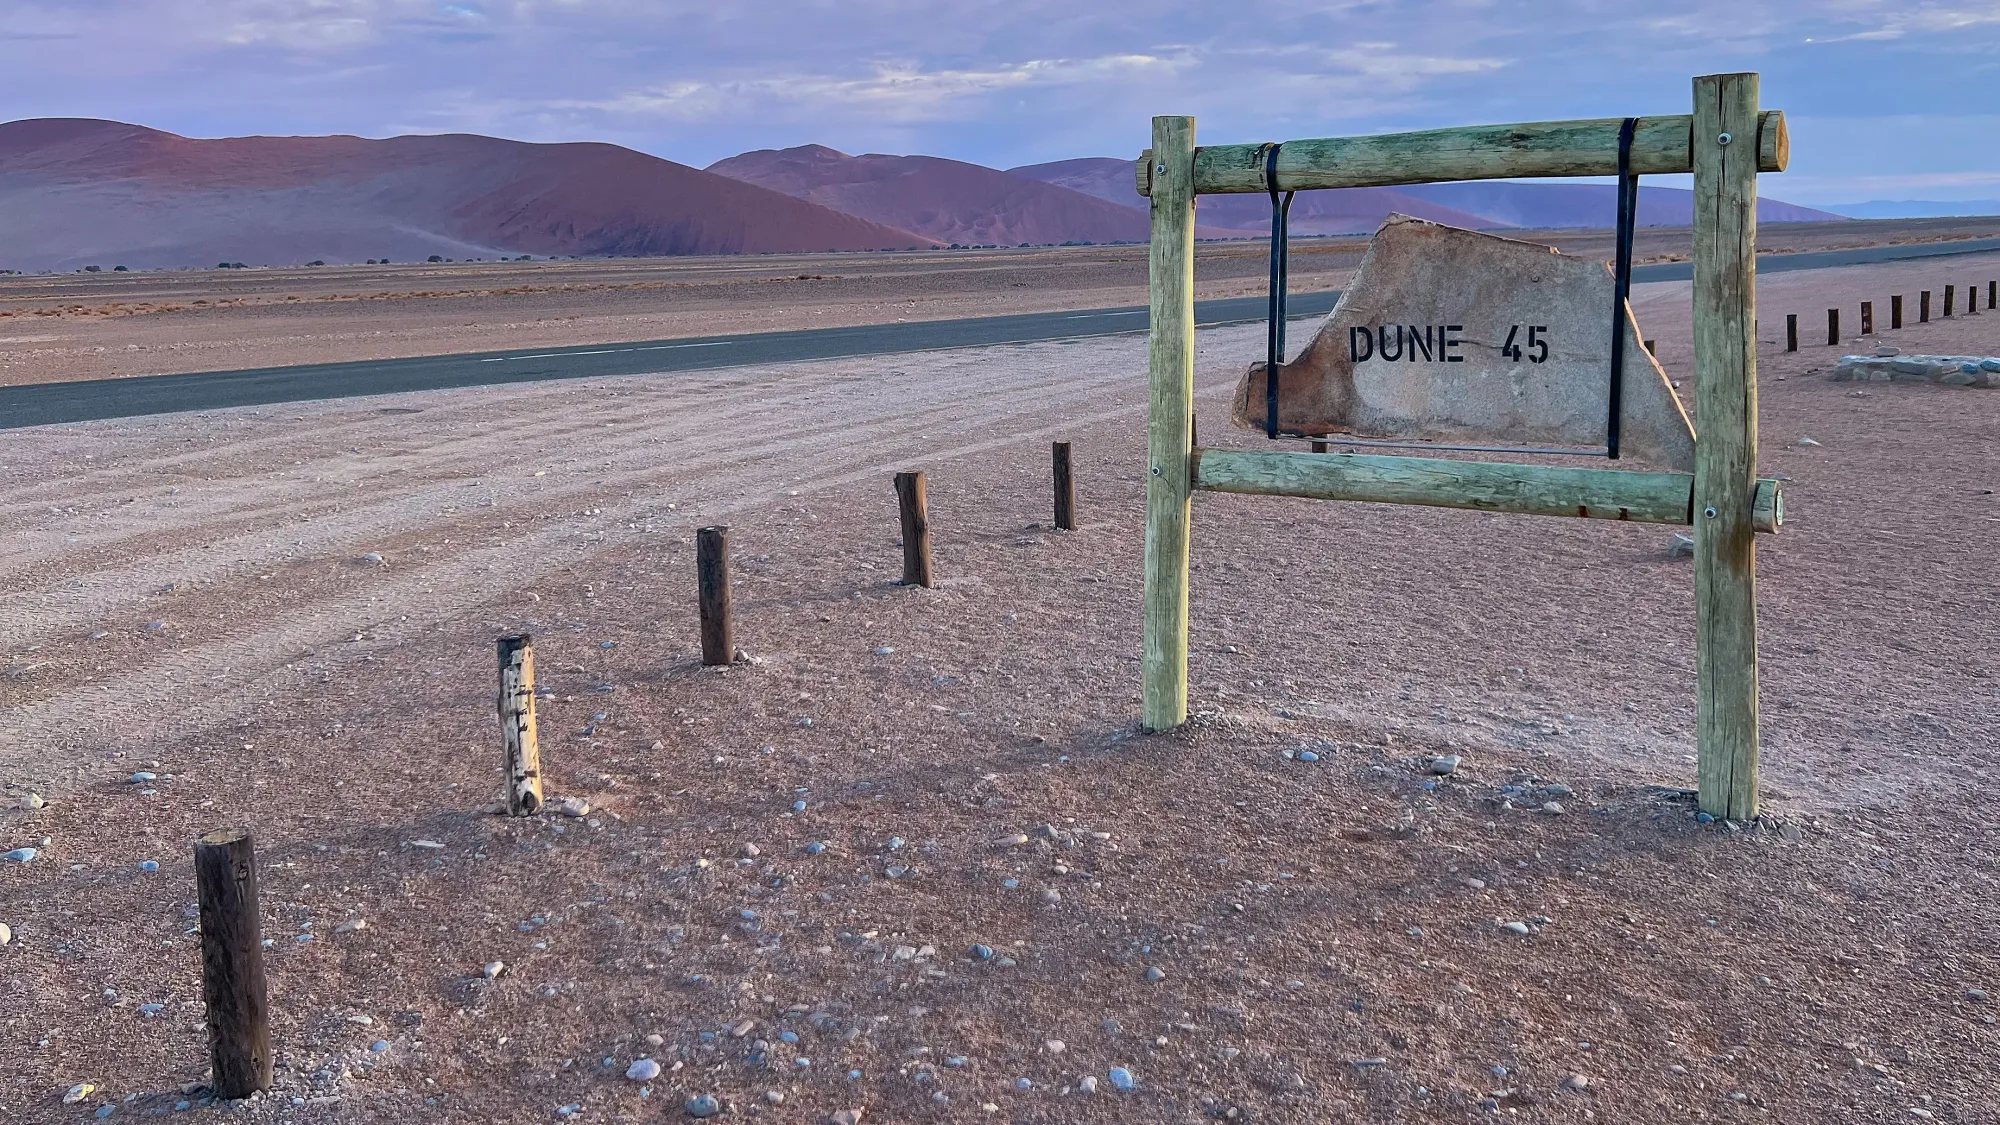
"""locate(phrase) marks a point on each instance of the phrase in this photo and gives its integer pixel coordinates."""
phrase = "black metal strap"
(1621, 286)
(1274, 335)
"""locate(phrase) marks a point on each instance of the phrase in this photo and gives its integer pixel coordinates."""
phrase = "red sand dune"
(1483, 204)
(949, 200)
(75, 192)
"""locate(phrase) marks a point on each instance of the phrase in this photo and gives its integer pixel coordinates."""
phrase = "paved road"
(46, 404)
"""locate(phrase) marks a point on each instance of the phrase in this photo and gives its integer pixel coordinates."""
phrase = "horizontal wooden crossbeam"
(1478, 152)
(1542, 490)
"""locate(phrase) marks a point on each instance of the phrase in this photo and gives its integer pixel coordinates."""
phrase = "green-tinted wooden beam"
(1169, 430)
(1660, 145)
(1486, 486)
(1725, 402)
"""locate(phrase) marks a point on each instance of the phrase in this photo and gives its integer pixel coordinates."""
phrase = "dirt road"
(286, 616)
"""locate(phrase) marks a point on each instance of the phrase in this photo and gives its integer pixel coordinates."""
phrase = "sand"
(102, 326)
(192, 596)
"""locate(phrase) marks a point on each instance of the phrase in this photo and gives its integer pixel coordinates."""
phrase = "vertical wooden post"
(518, 739)
(1725, 348)
(1992, 295)
(1319, 447)
(711, 568)
(232, 963)
(1791, 332)
(1169, 424)
(1833, 328)
(1949, 292)
(1065, 487)
(1867, 318)
(1972, 298)
(1896, 311)
(1924, 307)
(910, 496)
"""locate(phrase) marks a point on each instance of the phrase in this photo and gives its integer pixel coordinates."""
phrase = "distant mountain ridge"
(1916, 208)
(77, 191)
(948, 200)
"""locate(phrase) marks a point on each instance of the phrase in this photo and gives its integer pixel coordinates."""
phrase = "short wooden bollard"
(1949, 292)
(517, 725)
(1896, 311)
(1992, 295)
(1833, 328)
(1924, 307)
(915, 506)
(1791, 332)
(711, 564)
(1867, 318)
(1972, 298)
(232, 964)
(1319, 447)
(1065, 483)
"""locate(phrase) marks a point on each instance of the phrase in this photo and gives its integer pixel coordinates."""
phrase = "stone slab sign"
(1457, 337)
(1951, 370)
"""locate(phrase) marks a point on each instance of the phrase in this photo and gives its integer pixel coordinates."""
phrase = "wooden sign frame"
(1725, 142)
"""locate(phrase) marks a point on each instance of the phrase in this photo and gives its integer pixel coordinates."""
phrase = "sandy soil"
(192, 596)
(100, 326)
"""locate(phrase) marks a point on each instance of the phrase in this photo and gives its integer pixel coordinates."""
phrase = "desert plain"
(913, 856)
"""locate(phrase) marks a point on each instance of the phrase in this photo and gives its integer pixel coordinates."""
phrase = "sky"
(1887, 99)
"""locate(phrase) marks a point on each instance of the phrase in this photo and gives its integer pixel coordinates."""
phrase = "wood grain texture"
(914, 509)
(1065, 486)
(1725, 356)
(1485, 486)
(1543, 490)
(711, 566)
(1661, 144)
(232, 963)
(520, 745)
(1169, 424)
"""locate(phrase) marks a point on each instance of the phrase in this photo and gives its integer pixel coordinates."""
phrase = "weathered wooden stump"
(915, 506)
(518, 739)
(232, 963)
(718, 644)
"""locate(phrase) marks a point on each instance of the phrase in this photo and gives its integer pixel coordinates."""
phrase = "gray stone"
(20, 855)
(1576, 1082)
(573, 806)
(1445, 764)
(1087, 1084)
(1516, 927)
(1403, 387)
(643, 1070)
(1051, 896)
(1155, 974)
(1682, 546)
(702, 1105)
(6, 934)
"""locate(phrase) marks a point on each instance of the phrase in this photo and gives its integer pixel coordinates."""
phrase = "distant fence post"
(1065, 483)
(711, 565)
(232, 963)
(1896, 311)
(910, 496)
(1867, 318)
(518, 739)
(1791, 332)
(1832, 328)
(1949, 292)
(1924, 307)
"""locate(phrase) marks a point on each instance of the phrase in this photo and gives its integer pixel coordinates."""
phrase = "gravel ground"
(1336, 938)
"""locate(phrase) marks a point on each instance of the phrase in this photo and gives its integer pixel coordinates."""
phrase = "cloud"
(1000, 82)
